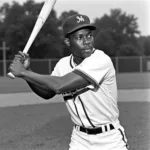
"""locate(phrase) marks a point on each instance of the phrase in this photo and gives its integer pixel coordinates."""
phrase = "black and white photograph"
(74, 74)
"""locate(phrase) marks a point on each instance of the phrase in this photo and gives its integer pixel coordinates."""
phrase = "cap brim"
(89, 26)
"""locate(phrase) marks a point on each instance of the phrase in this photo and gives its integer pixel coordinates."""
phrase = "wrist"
(29, 69)
(23, 74)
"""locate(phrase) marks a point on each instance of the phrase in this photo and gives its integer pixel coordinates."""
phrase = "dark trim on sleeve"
(87, 77)
(68, 97)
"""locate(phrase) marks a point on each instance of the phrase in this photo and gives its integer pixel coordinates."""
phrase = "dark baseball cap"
(76, 22)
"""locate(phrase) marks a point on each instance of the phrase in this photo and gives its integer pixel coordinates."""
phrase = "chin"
(87, 55)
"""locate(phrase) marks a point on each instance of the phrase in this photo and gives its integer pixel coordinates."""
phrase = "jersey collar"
(72, 63)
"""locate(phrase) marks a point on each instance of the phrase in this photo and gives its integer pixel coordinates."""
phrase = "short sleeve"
(56, 71)
(94, 68)
(62, 67)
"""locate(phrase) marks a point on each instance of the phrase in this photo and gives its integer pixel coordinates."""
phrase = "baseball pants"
(108, 140)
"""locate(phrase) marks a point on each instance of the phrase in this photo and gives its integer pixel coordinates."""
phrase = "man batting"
(87, 81)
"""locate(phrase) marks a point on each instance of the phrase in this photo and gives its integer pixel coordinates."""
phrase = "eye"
(89, 36)
(78, 38)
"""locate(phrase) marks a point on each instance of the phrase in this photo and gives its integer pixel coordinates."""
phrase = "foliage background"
(117, 34)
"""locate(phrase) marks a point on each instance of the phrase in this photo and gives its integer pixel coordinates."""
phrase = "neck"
(77, 59)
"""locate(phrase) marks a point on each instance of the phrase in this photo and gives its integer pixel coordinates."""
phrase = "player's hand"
(24, 59)
(17, 68)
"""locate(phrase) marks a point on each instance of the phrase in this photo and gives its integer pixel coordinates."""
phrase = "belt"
(95, 130)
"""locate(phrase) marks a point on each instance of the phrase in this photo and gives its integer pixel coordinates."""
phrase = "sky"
(97, 8)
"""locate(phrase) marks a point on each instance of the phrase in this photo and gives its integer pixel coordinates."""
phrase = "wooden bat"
(43, 15)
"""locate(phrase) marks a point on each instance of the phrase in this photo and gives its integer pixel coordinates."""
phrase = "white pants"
(111, 140)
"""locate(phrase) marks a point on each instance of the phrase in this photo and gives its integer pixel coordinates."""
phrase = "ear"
(67, 42)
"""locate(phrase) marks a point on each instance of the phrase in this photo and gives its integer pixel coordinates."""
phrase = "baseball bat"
(43, 15)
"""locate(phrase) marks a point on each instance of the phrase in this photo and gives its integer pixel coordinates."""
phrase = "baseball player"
(87, 81)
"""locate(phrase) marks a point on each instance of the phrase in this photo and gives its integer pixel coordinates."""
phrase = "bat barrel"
(45, 11)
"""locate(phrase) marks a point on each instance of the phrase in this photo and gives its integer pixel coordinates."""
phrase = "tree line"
(117, 33)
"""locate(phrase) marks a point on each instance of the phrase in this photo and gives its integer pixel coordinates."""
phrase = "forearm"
(41, 91)
(58, 85)
(40, 82)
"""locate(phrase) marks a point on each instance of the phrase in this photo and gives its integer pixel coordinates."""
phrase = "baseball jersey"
(95, 104)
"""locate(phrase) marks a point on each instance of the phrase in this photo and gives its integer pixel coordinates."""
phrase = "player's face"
(81, 43)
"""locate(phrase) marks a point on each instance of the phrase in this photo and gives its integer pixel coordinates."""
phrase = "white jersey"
(96, 104)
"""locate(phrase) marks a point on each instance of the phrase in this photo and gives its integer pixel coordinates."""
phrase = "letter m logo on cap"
(80, 19)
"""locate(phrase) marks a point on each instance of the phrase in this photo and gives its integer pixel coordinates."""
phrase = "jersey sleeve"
(94, 69)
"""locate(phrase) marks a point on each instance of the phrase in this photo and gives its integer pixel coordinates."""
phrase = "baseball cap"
(76, 22)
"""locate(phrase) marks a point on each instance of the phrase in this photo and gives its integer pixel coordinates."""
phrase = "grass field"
(43, 127)
(48, 126)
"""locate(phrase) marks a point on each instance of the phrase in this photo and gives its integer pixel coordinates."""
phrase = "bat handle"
(10, 75)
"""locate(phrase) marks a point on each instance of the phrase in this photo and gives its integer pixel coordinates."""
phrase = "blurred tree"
(116, 32)
(127, 50)
(122, 28)
(17, 24)
(104, 41)
(3, 12)
(65, 15)
(147, 46)
(144, 43)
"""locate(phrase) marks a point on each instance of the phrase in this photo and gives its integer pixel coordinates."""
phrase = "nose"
(86, 40)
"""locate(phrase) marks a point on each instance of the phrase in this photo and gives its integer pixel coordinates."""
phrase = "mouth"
(89, 49)
(87, 52)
